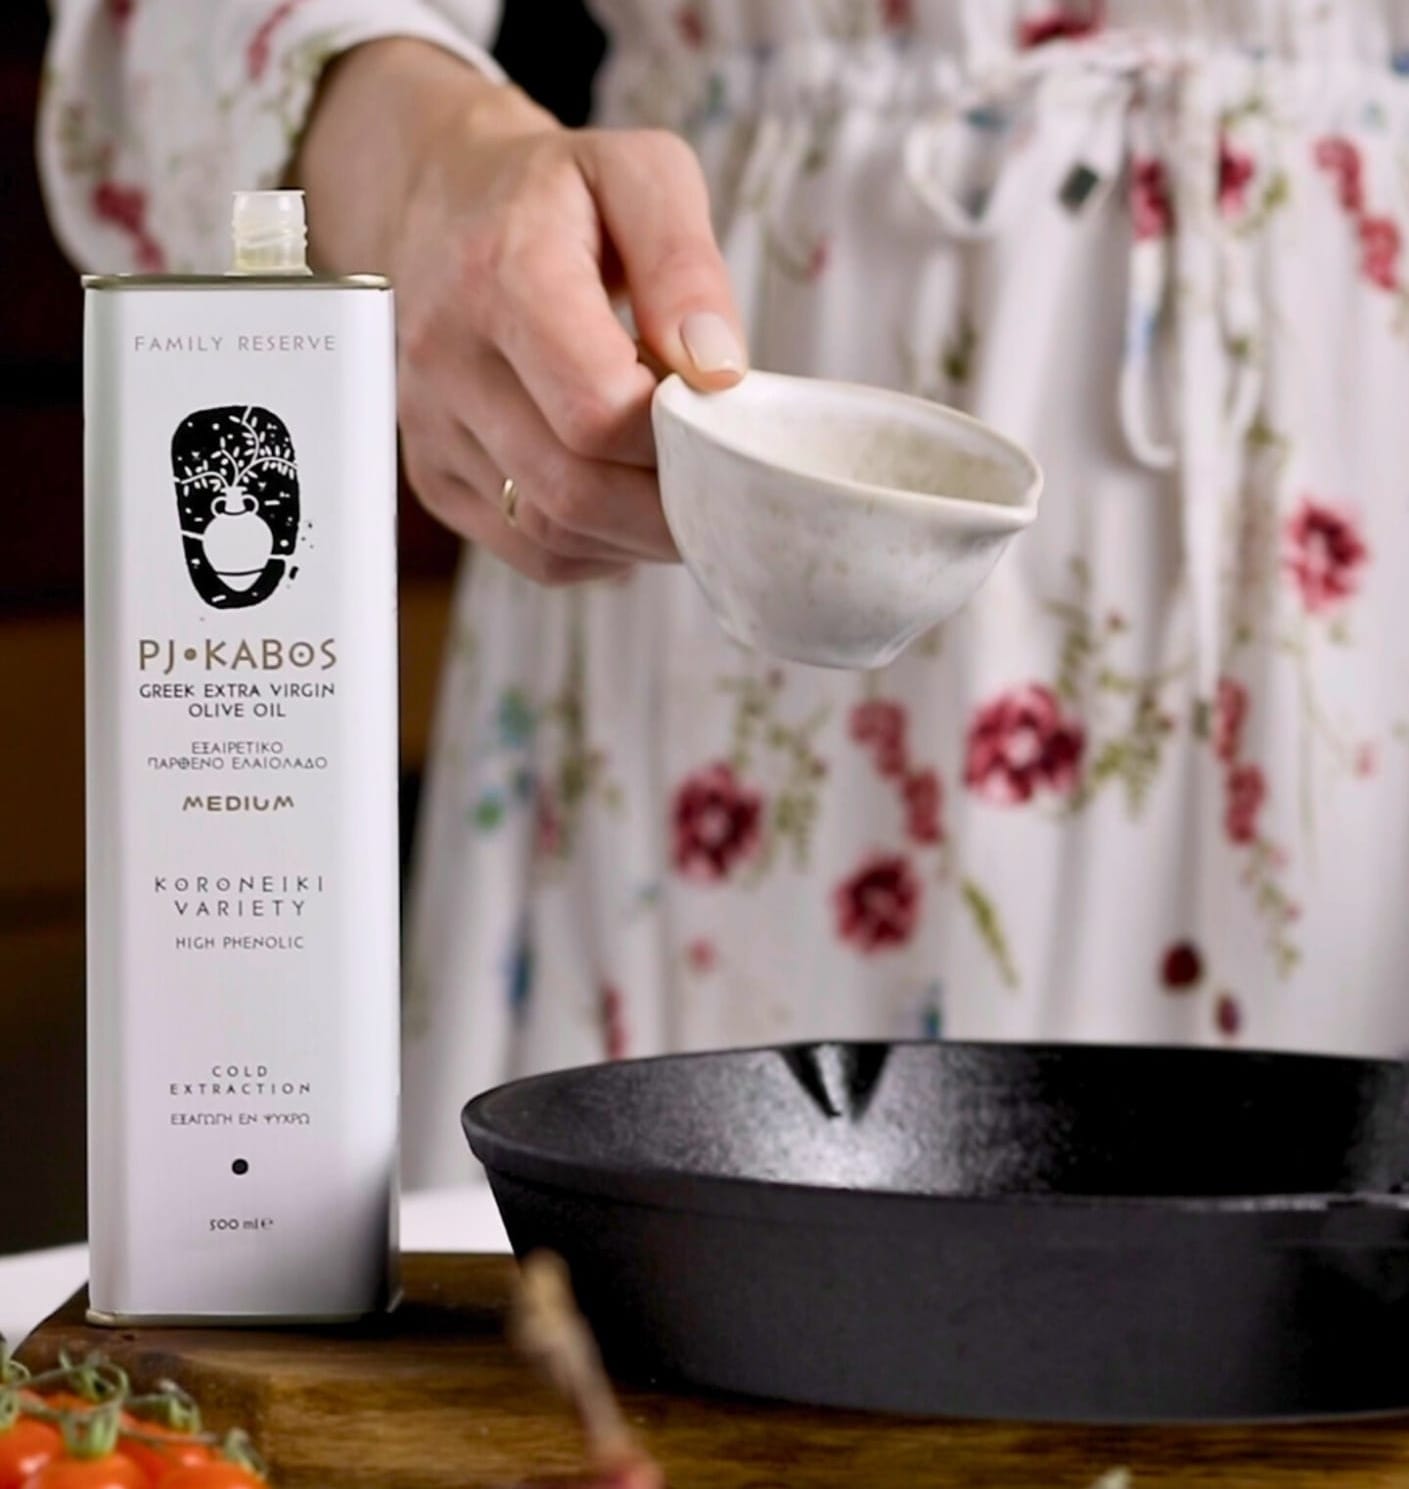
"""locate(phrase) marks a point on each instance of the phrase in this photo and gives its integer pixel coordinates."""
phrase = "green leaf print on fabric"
(764, 745)
(1126, 717)
(517, 720)
(489, 811)
(1256, 551)
(1276, 194)
(540, 758)
(986, 921)
(573, 771)
(942, 373)
(503, 752)
(81, 153)
(1248, 194)
(957, 360)
(825, 125)
(1132, 759)
(1317, 554)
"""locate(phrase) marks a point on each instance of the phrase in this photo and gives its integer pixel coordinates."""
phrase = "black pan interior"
(970, 1119)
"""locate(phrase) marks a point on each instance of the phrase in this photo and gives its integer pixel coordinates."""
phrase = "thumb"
(654, 205)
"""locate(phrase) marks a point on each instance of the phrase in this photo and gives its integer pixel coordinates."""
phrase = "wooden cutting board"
(433, 1397)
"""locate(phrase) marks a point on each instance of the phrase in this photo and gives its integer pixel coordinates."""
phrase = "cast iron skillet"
(1052, 1232)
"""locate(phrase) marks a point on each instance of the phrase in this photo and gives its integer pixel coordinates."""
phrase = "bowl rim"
(675, 398)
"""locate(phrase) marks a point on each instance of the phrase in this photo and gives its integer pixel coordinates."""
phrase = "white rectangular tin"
(243, 902)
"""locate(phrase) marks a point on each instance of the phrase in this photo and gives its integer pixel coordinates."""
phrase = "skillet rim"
(659, 1186)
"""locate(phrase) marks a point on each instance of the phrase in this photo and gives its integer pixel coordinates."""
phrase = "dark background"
(41, 656)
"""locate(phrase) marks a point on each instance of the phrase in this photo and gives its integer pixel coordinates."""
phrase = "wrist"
(380, 112)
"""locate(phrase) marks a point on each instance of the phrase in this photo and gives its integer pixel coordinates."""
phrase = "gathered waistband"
(1156, 94)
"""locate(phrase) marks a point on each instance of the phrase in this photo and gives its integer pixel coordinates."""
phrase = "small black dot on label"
(190, 653)
(240, 1166)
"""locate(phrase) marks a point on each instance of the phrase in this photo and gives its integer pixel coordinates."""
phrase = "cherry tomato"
(112, 1471)
(217, 1474)
(25, 1448)
(160, 1462)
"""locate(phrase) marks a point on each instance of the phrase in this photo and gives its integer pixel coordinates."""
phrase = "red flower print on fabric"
(1061, 23)
(1228, 1015)
(259, 50)
(1151, 210)
(1230, 714)
(1341, 161)
(1235, 171)
(125, 208)
(717, 822)
(613, 1015)
(1022, 743)
(690, 24)
(121, 11)
(880, 725)
(701, 955)
(1325, 555)
(1182, 968)
(1247, 790)
(924, 802)
(1245, 795)
(1380, 243)
(122, 206)
(896, 15)
(878, 907)
(548, 827)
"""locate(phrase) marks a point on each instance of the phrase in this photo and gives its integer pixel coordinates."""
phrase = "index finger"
(560, 334)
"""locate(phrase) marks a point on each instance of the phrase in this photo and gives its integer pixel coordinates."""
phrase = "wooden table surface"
(432, 1397)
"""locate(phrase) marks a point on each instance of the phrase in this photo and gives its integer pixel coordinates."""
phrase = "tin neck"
(269, 233)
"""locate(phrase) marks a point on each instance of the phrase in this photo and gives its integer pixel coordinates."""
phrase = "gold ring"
(509, 500)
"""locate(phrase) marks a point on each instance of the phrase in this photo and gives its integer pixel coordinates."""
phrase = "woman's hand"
(507, 238)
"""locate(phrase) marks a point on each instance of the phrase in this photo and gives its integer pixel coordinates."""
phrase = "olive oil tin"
(242, 860)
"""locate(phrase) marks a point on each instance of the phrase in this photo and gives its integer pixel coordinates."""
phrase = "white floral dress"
(1153, 785)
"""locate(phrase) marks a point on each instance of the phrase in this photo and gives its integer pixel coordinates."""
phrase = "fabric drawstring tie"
(1151, 110)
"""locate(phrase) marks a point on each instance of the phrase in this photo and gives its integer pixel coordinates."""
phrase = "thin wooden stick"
(548, 1329)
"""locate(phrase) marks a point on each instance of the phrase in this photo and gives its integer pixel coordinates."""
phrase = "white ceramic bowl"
(831, 523)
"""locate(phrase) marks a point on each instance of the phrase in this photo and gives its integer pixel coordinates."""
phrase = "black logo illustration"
(237, 496)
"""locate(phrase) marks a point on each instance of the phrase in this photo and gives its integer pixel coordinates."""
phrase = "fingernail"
(711, 343)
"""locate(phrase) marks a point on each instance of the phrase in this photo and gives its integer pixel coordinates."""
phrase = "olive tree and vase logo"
(237, 495)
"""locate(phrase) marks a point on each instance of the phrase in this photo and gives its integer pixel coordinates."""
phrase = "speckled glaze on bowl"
(831, 523)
